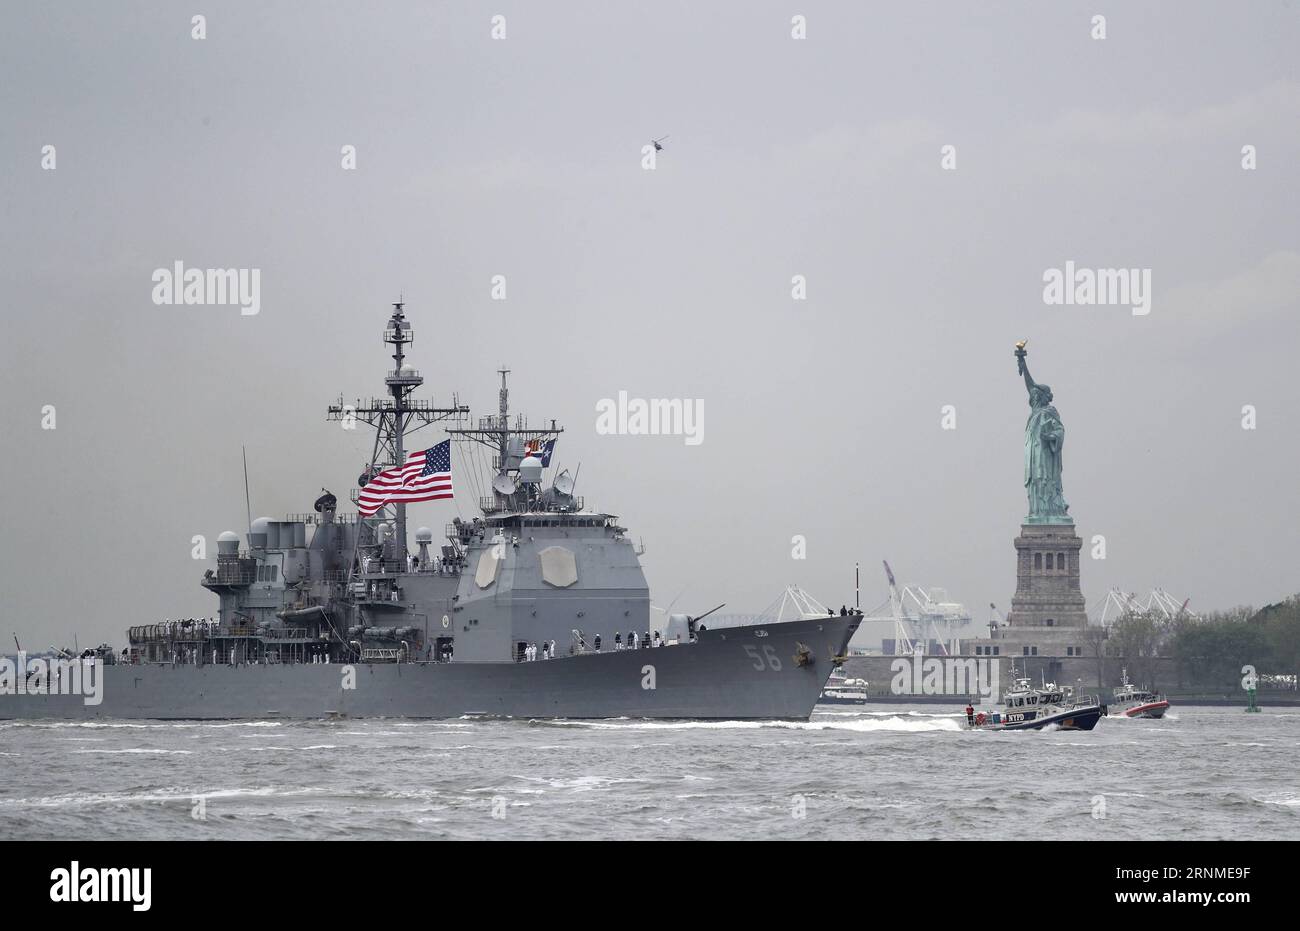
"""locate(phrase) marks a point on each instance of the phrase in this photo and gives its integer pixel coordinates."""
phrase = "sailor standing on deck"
(970, 715)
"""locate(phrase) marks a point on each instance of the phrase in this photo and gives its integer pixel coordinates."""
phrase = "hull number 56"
(767, 659)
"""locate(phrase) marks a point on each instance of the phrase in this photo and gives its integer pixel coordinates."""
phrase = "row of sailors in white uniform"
(233, 657)
(413, 564)
(208, 624)
(532, 652)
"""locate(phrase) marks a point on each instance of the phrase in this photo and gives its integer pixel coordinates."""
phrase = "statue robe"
(1044, 441)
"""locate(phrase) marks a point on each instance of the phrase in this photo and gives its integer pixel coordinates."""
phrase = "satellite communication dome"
(383, 531)
(424, 535)
(228, 544)
(530, 470)
(407, 369)
(260, 525)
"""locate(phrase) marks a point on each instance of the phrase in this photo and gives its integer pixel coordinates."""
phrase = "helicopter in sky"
(656, 143)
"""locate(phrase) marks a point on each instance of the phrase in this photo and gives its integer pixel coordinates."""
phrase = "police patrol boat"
(1025, 707)
(327, 613)
(1139, 703)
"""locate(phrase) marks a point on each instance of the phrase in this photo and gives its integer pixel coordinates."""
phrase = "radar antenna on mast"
(396, 416)
(510, 441)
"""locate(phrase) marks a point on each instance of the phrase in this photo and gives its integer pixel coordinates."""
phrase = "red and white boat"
(1134, 702)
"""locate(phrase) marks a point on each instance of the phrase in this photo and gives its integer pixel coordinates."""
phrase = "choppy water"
(889, 773)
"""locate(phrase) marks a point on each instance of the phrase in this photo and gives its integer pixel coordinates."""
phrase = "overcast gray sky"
(522, 157)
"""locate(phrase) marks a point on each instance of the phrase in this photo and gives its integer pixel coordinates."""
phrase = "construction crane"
(918, 616)
(903, 643)
(1159, 603)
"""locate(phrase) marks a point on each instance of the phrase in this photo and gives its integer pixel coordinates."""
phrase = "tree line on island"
(1206, 652)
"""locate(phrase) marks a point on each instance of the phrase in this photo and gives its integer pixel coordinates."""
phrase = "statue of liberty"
(1044, 439)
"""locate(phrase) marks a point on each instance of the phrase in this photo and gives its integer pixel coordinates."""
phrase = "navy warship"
(535, 608)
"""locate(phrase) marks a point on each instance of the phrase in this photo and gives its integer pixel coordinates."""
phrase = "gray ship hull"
(771, 672)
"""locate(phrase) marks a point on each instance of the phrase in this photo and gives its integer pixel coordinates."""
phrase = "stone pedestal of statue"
(1047, 577)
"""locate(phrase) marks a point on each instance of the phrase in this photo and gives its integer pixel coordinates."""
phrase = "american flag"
(542, 449)
(425, 476)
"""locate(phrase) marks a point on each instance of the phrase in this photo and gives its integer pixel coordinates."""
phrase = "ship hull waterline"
(761, 672)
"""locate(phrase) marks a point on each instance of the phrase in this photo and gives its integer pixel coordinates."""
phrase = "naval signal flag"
(425, 476)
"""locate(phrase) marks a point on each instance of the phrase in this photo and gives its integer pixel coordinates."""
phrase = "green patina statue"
(1044, 440)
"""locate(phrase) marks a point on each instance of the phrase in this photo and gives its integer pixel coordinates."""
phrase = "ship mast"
(393, 418)
(495, 431)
